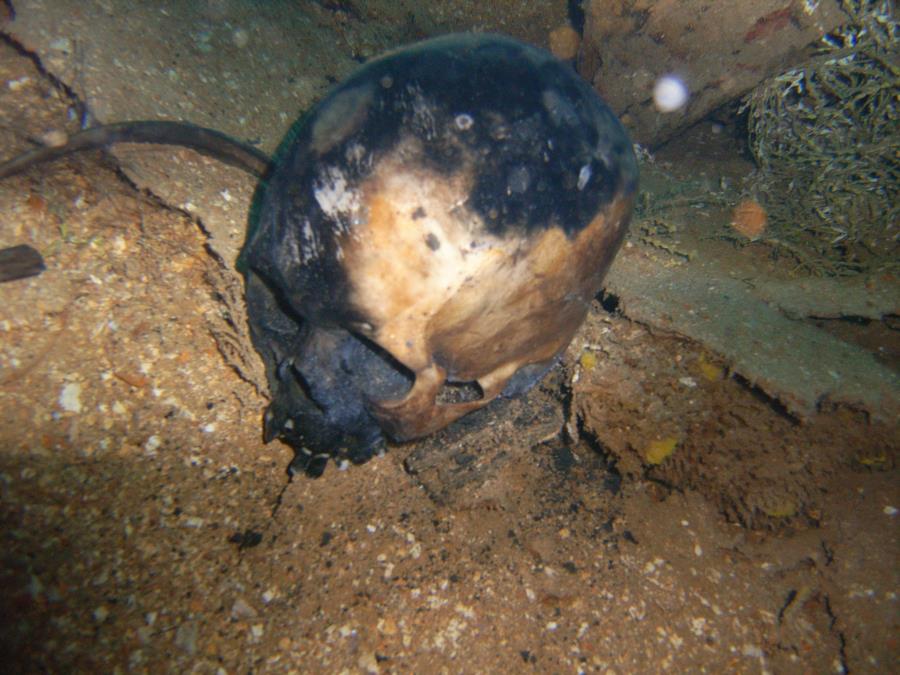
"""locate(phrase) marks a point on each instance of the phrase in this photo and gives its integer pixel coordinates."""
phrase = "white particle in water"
(464, 122)
(669, 93)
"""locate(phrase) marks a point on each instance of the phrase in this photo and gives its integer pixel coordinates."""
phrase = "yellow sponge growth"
(588, 361)
(657, 451)
(784, 509)
(712, 372)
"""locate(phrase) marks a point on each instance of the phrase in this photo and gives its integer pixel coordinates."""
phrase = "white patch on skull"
(310, 246)
(429, 275)
(356, 154)
(336, 199)
(422, 113)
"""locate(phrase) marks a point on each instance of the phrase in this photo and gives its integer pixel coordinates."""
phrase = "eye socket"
(381, 377)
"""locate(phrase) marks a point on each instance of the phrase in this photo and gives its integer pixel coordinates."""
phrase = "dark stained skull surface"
(445, 216)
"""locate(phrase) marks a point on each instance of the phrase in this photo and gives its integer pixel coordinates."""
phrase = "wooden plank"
(721, 50)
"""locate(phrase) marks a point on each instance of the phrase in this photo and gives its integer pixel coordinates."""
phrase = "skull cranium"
(446, 215)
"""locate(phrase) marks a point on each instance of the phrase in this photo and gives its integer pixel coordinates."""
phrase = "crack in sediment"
(68, 92)
(842, 640)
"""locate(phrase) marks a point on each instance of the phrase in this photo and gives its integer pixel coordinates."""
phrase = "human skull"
(443, 217)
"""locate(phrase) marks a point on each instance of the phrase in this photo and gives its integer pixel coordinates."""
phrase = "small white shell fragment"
(70, 397)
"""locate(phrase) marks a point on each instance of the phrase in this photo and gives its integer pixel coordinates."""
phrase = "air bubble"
(464, 122)
(669, 93)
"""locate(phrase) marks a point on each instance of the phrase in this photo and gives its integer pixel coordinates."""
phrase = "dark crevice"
(791, 596)
(342, 6)
(829, 553)
(851, 319)
(612, 480)
(891, 321)
(876, 336)
(79, 106)
(609, 302)
(575, 10)
(842, 640)
(667, 485)
(761, 396)
(564, 394)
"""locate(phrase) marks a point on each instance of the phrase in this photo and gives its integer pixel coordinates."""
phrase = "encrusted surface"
(145, 526)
